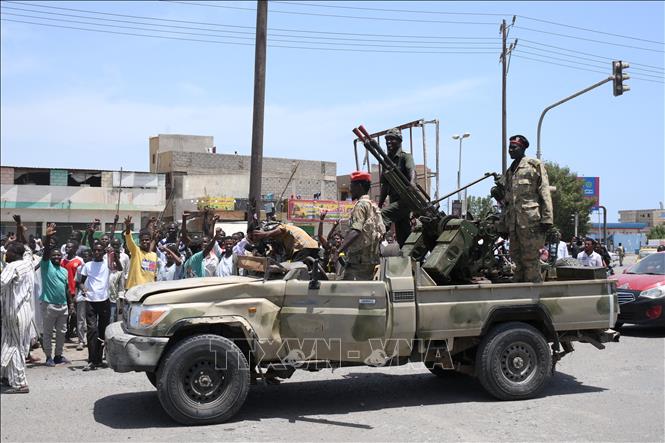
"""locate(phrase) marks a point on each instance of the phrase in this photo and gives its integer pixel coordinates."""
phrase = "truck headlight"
(657, 292)
(141, 317)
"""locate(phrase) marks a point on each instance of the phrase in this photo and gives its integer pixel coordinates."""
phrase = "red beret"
(360, 176)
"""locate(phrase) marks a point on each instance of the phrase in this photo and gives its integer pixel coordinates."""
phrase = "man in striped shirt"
(18, 281)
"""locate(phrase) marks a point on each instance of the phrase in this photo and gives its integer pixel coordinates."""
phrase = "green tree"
(479, 207)
(657, 232)
(567, 200)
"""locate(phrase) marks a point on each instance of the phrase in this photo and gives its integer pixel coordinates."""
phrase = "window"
(32, 177)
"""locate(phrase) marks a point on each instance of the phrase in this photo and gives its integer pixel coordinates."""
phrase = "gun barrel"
(487, 174)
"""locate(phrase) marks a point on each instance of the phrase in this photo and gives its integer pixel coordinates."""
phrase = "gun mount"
(451, 249)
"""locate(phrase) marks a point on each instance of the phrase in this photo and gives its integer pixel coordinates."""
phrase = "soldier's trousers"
(398, 213)
(356, 271)
(525, 244)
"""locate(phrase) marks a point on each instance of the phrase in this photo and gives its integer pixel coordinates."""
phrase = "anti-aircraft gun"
(459, 248)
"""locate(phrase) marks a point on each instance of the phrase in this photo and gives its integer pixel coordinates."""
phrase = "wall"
(6, 176)
(651, 217)
(228, 175)
(177, 143)
(77, 198)
(630, 242)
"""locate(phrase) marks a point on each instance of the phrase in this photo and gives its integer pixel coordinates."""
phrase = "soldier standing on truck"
(529, 212)
(366, 230)
(397, 212)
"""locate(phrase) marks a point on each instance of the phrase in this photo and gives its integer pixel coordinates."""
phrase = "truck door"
(339, 321)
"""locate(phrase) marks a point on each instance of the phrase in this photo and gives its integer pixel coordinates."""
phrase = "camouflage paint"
(366, 322)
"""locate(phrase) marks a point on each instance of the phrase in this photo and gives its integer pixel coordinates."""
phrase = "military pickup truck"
(203, 341)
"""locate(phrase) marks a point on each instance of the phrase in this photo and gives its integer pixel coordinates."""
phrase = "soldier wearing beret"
(361, 243)
(528, 209)
(397, 212)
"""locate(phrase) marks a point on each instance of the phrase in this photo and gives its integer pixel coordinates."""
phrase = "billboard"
(220, 203)
(309, 210)
(591, 189)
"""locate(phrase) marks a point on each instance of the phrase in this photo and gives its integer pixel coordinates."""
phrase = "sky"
(74, 98)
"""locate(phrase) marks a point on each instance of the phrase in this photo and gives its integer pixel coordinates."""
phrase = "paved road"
(611, 395)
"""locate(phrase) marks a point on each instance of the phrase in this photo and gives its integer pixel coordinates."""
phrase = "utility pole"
(504, 75)
(255, 172)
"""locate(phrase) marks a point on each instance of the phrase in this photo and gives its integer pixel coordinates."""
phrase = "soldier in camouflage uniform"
(361, 243)
(397, 212)
(528, 205)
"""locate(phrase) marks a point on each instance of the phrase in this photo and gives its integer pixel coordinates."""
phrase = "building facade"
(195, 172)
(652, 217)
(73, 198)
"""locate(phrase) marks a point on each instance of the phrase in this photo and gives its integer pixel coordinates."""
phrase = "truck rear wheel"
(204, 379)
(513, 361)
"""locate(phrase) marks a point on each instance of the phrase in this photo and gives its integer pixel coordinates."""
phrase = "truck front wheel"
(513, 361)
(204, 379)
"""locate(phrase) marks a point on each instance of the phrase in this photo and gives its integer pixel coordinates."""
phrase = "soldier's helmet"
(519, 140)
(394, 132)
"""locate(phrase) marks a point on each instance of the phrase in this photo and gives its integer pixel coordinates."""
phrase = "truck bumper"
(127, 352)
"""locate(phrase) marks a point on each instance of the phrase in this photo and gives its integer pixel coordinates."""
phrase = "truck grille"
(403, 296)
(625, 297)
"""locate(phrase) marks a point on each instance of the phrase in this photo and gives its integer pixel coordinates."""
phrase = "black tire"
(204, 379)
(618, 325)
(513, 361)
(152, 378)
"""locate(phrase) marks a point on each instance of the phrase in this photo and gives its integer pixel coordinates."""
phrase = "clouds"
(95, 130)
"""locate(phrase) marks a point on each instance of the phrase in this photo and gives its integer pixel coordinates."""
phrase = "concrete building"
(72, 198)
(652, 217)
(196, 173)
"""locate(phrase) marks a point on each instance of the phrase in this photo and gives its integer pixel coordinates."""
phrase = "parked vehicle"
(200, 341)
(641, 292)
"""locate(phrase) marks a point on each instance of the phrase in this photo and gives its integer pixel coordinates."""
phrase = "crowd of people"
(56, 293)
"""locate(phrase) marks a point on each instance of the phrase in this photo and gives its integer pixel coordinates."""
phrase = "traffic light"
(617, 70)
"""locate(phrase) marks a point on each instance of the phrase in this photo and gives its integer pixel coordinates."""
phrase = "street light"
(459, 168)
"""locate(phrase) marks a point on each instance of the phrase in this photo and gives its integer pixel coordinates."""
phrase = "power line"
(588, 39)
(576, 57)
(585, 53)
(591, 30)
(275, 11)
(223, 31)
(250, 27)
(245, 44)
(581, 63)
(581, 69)
(319, 5)
(245, 38)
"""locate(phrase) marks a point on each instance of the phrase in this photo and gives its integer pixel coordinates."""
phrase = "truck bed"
(462, 310)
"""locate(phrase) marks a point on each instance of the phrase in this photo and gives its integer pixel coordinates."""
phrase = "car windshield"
(653, 264)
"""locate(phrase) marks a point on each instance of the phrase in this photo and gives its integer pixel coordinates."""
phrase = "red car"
(641, 290)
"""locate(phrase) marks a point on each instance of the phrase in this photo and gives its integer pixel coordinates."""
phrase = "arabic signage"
(221, 203)
(309, 210)
(591, 189)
